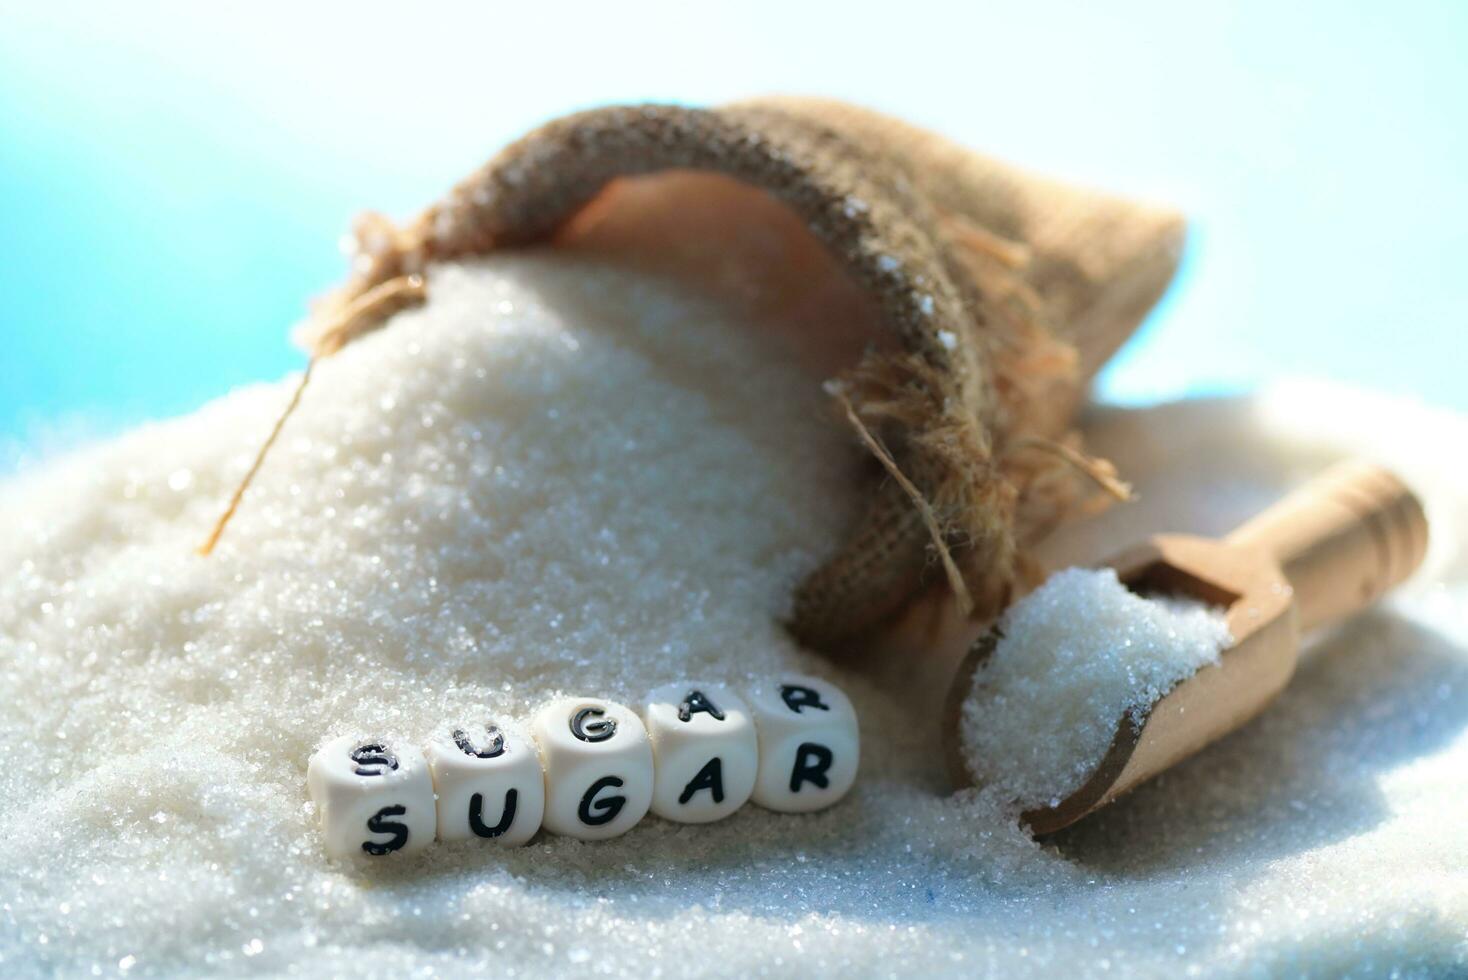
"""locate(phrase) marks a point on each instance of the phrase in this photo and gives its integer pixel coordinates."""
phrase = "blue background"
(174, 177)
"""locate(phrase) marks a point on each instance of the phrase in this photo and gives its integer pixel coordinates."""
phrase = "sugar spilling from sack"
(556, 478)
(1076, 656)
(559, 478)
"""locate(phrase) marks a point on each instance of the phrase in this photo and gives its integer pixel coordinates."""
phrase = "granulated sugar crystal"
(1076, 655)
(559, 478)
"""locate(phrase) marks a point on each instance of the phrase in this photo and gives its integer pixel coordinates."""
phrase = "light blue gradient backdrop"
(173, 178)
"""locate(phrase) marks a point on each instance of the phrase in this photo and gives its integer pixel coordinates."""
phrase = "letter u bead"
(489, 784)
(809, 745)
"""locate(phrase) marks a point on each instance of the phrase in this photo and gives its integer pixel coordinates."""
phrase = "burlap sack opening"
(984, 299)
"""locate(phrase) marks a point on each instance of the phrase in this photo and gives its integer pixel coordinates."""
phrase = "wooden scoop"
(1323, 553)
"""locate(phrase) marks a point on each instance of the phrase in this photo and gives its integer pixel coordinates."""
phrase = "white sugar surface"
(559, 479)
(1075, 656)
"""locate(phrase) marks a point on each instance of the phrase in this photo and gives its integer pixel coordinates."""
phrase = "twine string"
(239, 491)
(365, 312)
(930, 518)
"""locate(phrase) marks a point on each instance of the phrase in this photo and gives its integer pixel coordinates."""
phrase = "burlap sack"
(1003, 291)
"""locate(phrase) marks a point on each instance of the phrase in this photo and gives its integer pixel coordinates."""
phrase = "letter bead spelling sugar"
(809, 745)
(489, 782)
(373, 797)
(705, 751)
(598, 767)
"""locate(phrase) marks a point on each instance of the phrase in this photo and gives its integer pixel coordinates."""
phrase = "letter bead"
(598, 767)
(809, 745)
(704, 749)
(373, 797)
(489, 782)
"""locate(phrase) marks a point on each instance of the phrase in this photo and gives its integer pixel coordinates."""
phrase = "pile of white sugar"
(1076, 656)
(557, 478)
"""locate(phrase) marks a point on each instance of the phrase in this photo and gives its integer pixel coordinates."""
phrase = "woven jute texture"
(1005, 292)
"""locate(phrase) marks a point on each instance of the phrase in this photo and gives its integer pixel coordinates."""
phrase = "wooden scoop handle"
(1342, 539)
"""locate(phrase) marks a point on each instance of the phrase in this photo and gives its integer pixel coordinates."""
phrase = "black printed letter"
(476, 815)
(798, 698)
(606, 808)
(373, 759)
(811, 763)
(695, 702)
(592, 731)
(710, 777)
(494, 745)
(377, 825)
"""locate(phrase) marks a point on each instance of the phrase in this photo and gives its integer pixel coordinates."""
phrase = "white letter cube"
(489, 782)
(704, 749)
(373, 797)
(598, 767)
(808, 743)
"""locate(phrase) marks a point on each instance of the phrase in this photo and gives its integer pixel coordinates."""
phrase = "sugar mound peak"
(563, 479)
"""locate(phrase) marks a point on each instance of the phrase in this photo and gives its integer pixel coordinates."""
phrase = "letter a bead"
(598, 767)
(809, 745)
(705, 751)
(373, 797)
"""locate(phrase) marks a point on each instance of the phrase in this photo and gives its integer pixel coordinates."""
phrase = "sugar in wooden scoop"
(1074, 657)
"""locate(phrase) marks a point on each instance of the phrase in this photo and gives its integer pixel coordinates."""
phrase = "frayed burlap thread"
(1005, 292)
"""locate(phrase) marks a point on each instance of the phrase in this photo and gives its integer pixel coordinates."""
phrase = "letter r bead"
(809, 745)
